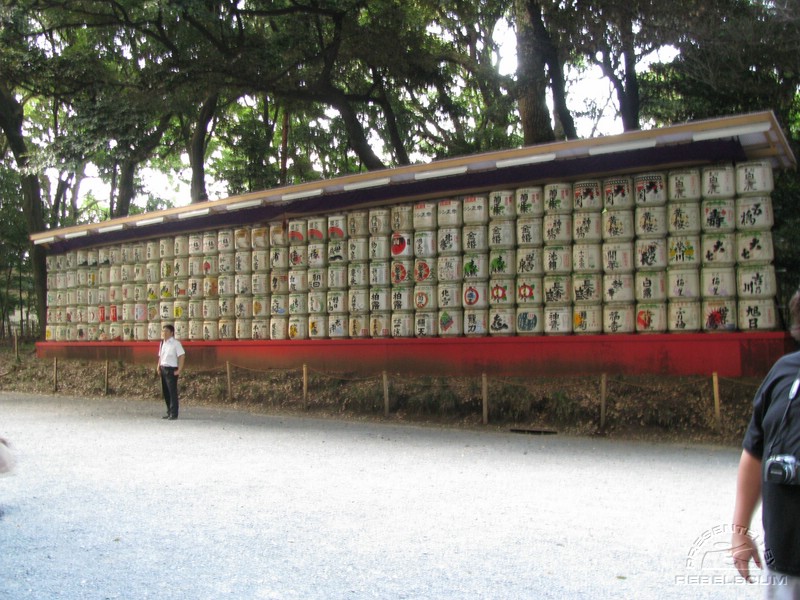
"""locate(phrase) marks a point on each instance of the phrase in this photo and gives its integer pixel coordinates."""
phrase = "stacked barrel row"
(687, 250)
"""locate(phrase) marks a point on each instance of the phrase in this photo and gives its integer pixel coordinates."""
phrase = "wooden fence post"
(385, 394)
(55, 373)
(485, 394)
(105, 380)
(16, 346)
(717, 411)
(230, 386)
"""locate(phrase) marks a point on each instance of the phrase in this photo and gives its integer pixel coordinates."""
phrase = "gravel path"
(110, 501)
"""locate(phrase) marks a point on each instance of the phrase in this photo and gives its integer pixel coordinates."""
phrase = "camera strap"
(792, 395)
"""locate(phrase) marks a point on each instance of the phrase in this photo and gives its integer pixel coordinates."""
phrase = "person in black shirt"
(774, 430)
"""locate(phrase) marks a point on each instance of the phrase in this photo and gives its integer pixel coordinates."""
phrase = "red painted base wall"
(728, 354)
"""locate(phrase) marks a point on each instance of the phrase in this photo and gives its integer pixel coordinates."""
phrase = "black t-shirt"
(768, 435)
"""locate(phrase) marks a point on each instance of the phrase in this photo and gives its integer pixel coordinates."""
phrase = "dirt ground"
(654, 407)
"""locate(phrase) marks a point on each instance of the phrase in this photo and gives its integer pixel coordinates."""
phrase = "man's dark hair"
(171, 329)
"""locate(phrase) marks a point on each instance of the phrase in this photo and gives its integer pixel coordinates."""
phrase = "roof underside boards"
(732, 139)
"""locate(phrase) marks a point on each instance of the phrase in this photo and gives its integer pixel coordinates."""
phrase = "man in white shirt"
(171, 357)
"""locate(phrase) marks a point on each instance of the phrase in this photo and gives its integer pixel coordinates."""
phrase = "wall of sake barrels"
(680, 251)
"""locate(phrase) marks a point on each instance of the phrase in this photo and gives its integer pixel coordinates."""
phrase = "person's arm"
(748, 495)
(181, 360)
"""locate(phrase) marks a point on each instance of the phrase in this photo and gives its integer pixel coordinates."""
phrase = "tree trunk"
(197, 148)
(358, 139)
(11, 117)
(531, 76)
(126, 189)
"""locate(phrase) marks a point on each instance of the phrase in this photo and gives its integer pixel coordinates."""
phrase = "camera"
(781, 468)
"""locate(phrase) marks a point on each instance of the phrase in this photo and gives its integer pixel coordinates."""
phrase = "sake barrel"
(402, 298)
(718, 248)
(475, 266)
(558, 198)
(298, 281)
(618, 193)
(317, 228)
(475, 210)
(448, 213)
(757, 314)
(380, 298)
(474, 238)
(718, 214)
(502, 263)
(279, 257)
(651, 253)
(754, 213)
(719, 181)
(530, 320)
(618, 257)
(587, 258)
(244, 329)
(261, 307)
(448, 240)
(618, 225)
(337, 227)
(337, 252)
(243, 261)
(451, 322)
(166, 248)
(243, 307)
(684, 185)
(180, 310)
(718, 314)
(259, 238)
(476, 322)
(557, 259)
(402, 324)
(530, 201)
(557, 289)
(298, 256)
(260, 329)
(619, 287)
(226, 263)
(195, 329)
(651, 317)
(529, 290)
(557, 319)
(298, 327)
(380, 222)
(502, 320)
(425, 323)
(402, 217)
(298, 231)
(317, 255)
(683, 250)
(358, 300)
(380, 324)
(619, 317)
(195, 309)
(379, 247)
(195, 266)
(279, 328)
(226, 285)
(683, 218)
(650, 188)
(180, 288)
(424, 216)
(449, 294)
(502, 234)
(587, 227)
(337, 301)
(502, 205)
(279, 305)
(425, 270)
(683, 282)
(650, 221)
(530, 232)
(180, 266)
(502, 292)
(227, 307)
(195, 244)
(337, 277)
(650, 286)
(278, 235)
(754, 178)
(225, 241)
(530, 261)
(587, 319)
(358, 325)
(357, 223)
(557, 229)
(449, 268)
(317, 326)
(754, 247)
(587, 288)
(379, 272)
(587, 196)
(153, 331)
(756, 281)
(210, 265)
(195, 287)
(475, 294)
(425, 243)
(259, 261)
(718, 282)
(402, 271)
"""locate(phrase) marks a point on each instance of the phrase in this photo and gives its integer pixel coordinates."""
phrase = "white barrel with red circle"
(475, 294)
(425, 297)
(502, 291)
(651, 317)
(529, 290)
(718, 314)
(298, 231)
(402, 271)
(317, 230)
(298, 256)
(425, 270)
